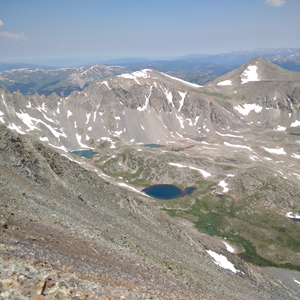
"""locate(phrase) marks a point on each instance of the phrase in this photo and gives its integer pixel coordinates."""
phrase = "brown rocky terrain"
(63, 225)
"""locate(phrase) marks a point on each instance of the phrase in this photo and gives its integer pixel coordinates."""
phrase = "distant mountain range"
(195, 68)
(218, 64)
(61, 81)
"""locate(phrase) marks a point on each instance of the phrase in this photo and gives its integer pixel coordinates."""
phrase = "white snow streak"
(237, 146)
(146, 102)
(230, 135)
(189, 83)
(72, 159)
(182, 95)
(228, 247)
(61, 147)
(78, 137)
(12, 126)
(106, 83)
(87, 118)
(180, 119)
(296, 156)
(204, 173)
(131, 188)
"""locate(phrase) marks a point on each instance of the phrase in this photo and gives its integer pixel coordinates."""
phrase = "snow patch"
(280, 128)
(292, 215)
(246, 108)
(250, 74)
(44, 139)
(224, 185)
(222, 261)
(169, 97)
(105, 83)
(226, 82)
(295, 124)
(275, 150)
(69, 113)
(296, 156)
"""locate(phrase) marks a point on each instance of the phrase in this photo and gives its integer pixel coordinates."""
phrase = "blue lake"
(153, 145)
(85, 153)
(167, 191)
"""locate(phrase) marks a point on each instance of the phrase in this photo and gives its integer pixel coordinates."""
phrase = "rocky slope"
(228, 138)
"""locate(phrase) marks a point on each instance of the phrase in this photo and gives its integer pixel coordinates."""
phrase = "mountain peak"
(257, 69)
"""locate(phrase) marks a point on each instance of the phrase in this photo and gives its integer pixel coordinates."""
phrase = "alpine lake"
(85, 153)
(167, 191)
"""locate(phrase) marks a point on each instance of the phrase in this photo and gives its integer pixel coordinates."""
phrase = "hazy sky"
(144, 28)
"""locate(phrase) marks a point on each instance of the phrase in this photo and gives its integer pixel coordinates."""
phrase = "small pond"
(154, 145)
(167, 191)
(230, 159)
(297, 134)
(85, 153)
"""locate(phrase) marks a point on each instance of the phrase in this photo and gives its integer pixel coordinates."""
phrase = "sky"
(32, 30)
